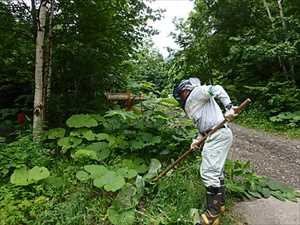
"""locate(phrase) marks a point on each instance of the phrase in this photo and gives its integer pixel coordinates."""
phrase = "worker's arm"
(218, 92)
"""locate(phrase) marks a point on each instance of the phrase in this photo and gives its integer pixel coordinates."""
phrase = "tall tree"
(39, 99)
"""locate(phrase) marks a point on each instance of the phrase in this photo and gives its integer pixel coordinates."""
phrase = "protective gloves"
(230, 114)
(195, 142)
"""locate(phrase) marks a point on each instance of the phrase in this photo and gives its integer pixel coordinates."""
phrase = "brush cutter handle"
(202, 141)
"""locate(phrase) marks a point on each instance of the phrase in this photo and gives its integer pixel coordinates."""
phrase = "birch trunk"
(34, 19)
(281, 64)
(39, 104)
(279, 2)
(50, 50)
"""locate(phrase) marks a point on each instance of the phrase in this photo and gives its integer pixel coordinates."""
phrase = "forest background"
(90, 47)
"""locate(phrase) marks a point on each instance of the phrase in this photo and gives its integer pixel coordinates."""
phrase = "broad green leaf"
(278, 195)
(97, 146)
(96, 170)
(234, 187)
(127, 173)
(84, 133)
(97, 117)
(144, 139)
(38, 173)
(274, 185)
(20, 177)
(103, 137)
(85, 153)
(23, 176)
(81, 120)
(254, 194)
(123, 114)
(125, 198)
(56, 133)
(101, 148)
(69, 142)
(136, 164)
(265, 192)
(290, 195)
(126, 217)
(103, 154)
(154, 167)
(111, 181)
(82, 175)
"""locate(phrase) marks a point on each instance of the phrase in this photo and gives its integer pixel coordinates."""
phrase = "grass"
(253, 118)
(172, 198)
(167, 202)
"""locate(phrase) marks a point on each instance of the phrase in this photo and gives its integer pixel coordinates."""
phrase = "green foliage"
(56, 133)
(23, 151)
(242, 181)
(81, 120)
(24, 177)
(68, 142)
(155, 166)
(147, 71)
(292, 119)
(253, 54)
(255, 118)
(110, 181)
(99, 178)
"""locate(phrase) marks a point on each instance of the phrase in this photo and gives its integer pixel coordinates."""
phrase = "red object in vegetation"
(21, 118)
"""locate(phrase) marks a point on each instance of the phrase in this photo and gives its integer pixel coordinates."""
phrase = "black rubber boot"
(222, 195)
(212, 214)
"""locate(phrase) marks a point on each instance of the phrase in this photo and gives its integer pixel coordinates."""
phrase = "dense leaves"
(250, 47)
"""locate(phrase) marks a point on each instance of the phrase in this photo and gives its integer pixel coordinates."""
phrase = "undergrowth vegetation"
(284, 123)
(98, 169)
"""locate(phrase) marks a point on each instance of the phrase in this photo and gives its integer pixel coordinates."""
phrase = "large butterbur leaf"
(82, 175)
(85, 154)
(143, 140)
(69, 142)
(81, 120)
(23, 176)
(38, 173)
(20, 177)
(103, 137)
(137, 164)
(84, 133)
(96, 171)
(101, 148)
(125, 198)
(125, 217)
(121, 113)
(110, 181)
(127, 173)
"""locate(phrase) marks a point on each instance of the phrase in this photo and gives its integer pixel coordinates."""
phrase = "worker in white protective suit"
(198, 101)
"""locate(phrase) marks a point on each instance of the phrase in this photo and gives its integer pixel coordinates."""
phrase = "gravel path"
(271, 155)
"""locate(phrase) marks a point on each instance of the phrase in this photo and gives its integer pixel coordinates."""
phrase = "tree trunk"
(268, 12)
(50, 50)
(34, 19)
(281, 64)
(279, 2)
(39, 103)
(48, 62)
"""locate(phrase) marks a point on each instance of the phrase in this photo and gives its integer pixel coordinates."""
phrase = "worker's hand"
(196, 141)
(231, 113)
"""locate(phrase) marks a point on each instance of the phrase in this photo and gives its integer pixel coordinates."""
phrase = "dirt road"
(271, 155)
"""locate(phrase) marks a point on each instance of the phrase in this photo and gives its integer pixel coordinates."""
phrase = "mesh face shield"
(188, 84)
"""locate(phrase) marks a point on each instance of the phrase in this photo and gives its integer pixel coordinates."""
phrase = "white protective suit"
(203, 109)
